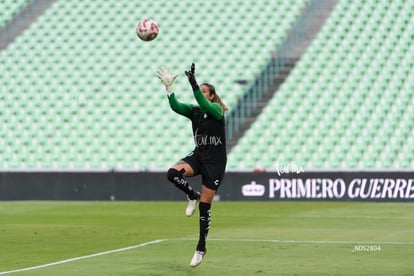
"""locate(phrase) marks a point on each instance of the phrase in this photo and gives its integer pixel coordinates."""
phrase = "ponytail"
(216, 98)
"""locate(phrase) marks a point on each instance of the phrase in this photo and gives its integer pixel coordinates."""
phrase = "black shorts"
(211, 174)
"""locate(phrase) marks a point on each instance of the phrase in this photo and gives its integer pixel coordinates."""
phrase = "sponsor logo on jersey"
(204, 140)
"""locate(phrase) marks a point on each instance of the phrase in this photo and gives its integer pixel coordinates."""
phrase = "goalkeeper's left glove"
(191, 77)
(167, 78)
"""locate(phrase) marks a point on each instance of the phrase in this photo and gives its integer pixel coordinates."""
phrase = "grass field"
(246, 238)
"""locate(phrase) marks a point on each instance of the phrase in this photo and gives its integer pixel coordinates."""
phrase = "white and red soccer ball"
(147, 29)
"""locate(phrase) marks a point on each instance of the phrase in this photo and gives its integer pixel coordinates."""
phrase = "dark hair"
(216, 98)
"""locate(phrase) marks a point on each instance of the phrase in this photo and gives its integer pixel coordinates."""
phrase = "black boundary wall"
(289, 184)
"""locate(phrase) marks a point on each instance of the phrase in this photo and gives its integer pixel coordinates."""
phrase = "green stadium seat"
(9, 8)
(354, 90)
(85, 95)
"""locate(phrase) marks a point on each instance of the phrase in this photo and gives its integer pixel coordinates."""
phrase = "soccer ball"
(147, 29)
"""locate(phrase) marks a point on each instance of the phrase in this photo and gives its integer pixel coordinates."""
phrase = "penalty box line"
(82, 257)
(300, 241)
(212, 239)
(320, 241)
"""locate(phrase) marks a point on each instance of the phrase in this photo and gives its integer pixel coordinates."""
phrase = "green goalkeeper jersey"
(208, 127)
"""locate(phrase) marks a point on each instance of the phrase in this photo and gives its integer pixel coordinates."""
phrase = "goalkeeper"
(209, 157)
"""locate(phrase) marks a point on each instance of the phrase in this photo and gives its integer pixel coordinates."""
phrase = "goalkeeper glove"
(191, 77)
(167, 78)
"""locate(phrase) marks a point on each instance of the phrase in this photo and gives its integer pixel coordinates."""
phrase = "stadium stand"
(349, 101)
(78, 89)
(8, 8)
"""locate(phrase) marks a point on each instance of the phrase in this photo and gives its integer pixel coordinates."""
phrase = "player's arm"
(168, 79)
(214, 109)
(178, 107)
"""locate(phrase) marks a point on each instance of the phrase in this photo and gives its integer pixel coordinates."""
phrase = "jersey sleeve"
(214, 109)
(178, 107)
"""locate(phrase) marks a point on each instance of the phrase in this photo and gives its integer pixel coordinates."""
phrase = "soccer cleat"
(197, 258)
(191, 206)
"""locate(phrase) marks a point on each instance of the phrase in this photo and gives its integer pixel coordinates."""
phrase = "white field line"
(318, 242)
(300, 241)
(82, 257)
(212, 239)
(352, 217)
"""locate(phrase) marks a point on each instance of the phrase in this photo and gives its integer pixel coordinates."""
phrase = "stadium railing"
(275, 69)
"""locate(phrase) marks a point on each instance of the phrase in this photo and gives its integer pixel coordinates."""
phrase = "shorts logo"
(217, 182)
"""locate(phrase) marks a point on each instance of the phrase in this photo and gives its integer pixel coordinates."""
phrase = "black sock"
(205, 221)
(176, 177)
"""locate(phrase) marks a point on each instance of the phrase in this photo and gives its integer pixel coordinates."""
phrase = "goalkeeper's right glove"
(167, 78)
(191, 77)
